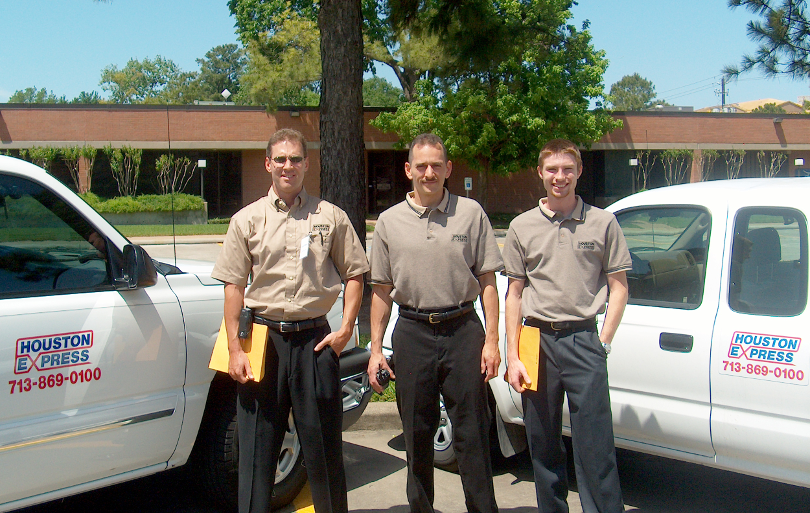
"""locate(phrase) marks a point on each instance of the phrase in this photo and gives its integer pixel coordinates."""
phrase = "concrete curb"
(378, 416)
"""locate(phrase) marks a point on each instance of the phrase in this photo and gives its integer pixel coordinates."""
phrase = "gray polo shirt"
(433, 258)
(564, 260)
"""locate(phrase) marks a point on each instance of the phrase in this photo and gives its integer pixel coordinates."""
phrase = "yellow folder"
(254, 347)
(529, 353)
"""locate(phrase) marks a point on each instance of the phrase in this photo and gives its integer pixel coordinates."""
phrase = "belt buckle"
(555, 328)
(431, 318)
(286, 327)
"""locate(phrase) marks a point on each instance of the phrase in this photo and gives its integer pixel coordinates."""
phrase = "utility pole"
(722, 92)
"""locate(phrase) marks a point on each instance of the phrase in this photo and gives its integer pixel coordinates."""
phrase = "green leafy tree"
(157, 80)
(72, 157)
(220, 69)
(707, 160)
(284, 67)
(87, 98)
(42, 156)
(34, 95)
(676, 162)
(378, 92)
(783, 36)
(269, 28)
(632, 92)
(497, 119)
(173, 174)
(125, 164)
(734, 161)
(769, 108)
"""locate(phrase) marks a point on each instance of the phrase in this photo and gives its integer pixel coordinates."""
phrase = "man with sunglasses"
(285, 256)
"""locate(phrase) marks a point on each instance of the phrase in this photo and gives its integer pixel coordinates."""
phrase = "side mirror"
(139, 270)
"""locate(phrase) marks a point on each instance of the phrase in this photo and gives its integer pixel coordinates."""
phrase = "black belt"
(556, 326)
(291, 326)
(436, 315)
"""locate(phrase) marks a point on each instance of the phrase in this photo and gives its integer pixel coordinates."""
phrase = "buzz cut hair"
(427, 139)
(288, 135)
(560, 147)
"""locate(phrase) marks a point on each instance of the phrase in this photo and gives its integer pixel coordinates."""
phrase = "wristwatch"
(606, 347)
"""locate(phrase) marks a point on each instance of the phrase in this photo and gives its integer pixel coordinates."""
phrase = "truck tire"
(444, 457)
(216, 455)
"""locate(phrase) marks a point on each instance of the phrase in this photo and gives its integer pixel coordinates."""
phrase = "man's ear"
(408, 171)
(449, 169)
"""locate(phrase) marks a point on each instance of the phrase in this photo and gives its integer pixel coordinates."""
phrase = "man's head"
(428, 168)
(559, 167)
(287, 162)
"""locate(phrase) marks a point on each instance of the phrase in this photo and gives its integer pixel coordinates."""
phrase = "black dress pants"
(308, 382)
(445, 358)
(575, 363)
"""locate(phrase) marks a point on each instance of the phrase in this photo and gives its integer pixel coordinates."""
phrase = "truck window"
(768, 273)
(668, 246)
(46, 247)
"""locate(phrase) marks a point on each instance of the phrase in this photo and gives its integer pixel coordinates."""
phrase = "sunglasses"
(282, 159)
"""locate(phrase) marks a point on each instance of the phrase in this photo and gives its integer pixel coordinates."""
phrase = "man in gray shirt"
(435, 254)
(562, 259)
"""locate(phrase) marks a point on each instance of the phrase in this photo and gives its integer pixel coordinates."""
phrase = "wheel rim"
(444, 435)
(290, 450)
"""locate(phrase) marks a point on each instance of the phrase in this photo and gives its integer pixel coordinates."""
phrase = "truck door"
(92, 376)
(659, 367)
(761, 360)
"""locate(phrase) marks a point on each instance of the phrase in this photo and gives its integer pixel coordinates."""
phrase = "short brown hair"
(427, 140)
(560, 146)
(289, 135)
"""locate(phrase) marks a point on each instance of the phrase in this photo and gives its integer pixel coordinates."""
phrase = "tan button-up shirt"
(433, 258)
(291, 258)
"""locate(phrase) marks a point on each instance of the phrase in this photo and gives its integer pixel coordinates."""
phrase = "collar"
(279, 203)
(421, 211)
(578, 214)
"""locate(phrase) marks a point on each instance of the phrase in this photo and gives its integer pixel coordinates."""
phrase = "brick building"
(232, 141)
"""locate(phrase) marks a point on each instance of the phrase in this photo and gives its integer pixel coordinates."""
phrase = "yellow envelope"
(529, 353)
(254, 347)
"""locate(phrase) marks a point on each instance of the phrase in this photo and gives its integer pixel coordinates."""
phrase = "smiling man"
(562, 259)
(435, 254)
(294, 250)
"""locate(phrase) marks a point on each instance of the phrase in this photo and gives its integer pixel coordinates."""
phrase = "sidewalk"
(378, 417)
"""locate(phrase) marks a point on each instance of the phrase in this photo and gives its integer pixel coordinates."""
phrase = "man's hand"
(376, 362)
(337, 340)
(239, 367)
(516, 375)
(490, 360)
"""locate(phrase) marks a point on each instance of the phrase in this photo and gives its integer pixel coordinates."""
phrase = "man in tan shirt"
(285, 256)
(435, 254)
(562, 258)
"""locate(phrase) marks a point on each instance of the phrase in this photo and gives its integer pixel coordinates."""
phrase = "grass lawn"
(156, 230)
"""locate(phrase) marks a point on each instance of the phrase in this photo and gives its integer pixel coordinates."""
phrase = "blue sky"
(62, 45)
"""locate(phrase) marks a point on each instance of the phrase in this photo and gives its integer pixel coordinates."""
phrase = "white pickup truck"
(711, 363)
(104, 357)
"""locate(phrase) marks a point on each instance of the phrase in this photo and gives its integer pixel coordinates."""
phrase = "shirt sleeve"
(489, 256)
(234, 262)
(514, 259)
(347, 252)
(380, 260)
(617, 256)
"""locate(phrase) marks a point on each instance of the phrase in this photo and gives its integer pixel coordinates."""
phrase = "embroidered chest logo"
(590, 246)
(322, 229)
(460, 238)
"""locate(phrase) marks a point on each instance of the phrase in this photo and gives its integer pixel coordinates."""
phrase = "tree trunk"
(343, 179)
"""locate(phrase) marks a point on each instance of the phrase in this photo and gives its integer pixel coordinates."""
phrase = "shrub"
(144, 203)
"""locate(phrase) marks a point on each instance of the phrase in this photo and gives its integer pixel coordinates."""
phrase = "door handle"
(676, 342)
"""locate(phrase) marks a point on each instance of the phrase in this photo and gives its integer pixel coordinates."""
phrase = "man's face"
(287, 166)
(559, 174)
(428, 170)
